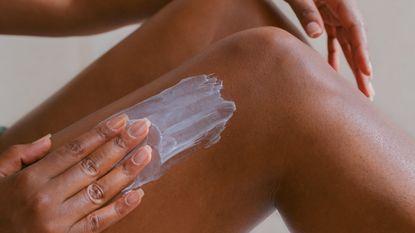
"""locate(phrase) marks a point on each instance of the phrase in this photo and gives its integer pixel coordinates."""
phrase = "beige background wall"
(31, 69)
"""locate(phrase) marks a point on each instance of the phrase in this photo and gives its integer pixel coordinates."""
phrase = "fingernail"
(138, 128)
(372, 92)
(142, 155)
(117, 122)
(368, 63)
(134, 196)
(370, 70)
(313, 29)
(43, 139)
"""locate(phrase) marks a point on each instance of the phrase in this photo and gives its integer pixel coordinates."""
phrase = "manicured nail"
(313, 29)
(142, 155)
(138, 128)
(117, 122)
(370, 70)
(134, 196)
(372, 92)
(42, 140)
(369, 66)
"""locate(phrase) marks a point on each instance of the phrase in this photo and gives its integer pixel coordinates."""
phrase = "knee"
(275, 51)
(277, 74)
(283, 64)
(266, 43)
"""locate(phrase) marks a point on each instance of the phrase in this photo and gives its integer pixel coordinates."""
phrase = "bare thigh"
(178, 32)
(302, 140)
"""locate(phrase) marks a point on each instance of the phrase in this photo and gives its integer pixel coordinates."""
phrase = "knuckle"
(121, 208)
(103, 132)
(95, 193)
(93, 223)
(120, 142)
(47, 227)
(308, 12)
(24, 180)
(41, 202)
(129, 170)
(75, 147)
(89, 167)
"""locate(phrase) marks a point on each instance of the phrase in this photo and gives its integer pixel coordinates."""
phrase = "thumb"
(309, 16)
(17, 156)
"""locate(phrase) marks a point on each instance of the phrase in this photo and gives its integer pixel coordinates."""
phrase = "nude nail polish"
(313, 29)
(371, 70)
(138, 128)
(117, 122)
(134, 196)
(43, 139)
(142, 155)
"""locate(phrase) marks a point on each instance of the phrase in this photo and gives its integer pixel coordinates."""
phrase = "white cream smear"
(189, 114)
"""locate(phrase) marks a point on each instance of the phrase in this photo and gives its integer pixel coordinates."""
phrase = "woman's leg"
(302, 139)
(176, 33)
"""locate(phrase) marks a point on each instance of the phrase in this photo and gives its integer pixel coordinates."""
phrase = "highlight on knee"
(264, 41)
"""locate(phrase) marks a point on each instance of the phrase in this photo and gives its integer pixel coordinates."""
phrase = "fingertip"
(313, 29)
(372, 92)
(118, 122)
(369, 68)
(41, 145)
(142, 156)
(147, 122)
(133, 198)
(42, 140)
(365, 65)
(37, 149)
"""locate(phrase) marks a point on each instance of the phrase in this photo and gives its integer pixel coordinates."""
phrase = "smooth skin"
(330, 163)
(39, 187)
(343, 23)
(322, 160)
(195, 24)
(72, 17)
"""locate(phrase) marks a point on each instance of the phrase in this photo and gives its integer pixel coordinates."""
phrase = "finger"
(352, 20)
(363, 83)
(346, 48)
(107, 216)
(103, 190)
(309, 16)
(100, 161)
(71, 153)
(332, 48)
(18, 156)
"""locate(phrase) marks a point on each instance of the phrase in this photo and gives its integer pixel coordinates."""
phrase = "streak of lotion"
(191, 113)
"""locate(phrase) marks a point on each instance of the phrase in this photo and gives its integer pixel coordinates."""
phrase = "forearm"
(71, 17)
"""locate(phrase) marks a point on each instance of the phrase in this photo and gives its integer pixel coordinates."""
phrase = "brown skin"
(75, 177)
(330, 163)
(343, 23)
(155, 51)
(72, 17)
